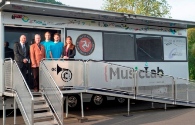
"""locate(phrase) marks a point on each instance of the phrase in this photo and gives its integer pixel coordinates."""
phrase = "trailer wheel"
(73, 101)
(98, 100)
(120, 100)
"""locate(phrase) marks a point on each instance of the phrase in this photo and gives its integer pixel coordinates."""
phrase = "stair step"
(41, 107)
(36, 93)
(46, 123)
(44, 115)
(39, 99)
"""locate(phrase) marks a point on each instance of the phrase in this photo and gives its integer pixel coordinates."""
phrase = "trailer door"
(12, 35)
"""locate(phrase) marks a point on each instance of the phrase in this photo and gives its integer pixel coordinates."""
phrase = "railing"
(155, 86)
(8, 77)
(184, 91)
(191, 92)
(66, 73)
(52, 92)
(115, 80)
(24, 96)
(102, 75)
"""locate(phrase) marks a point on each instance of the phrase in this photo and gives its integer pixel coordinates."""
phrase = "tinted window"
(118, 46)
(149, 48)
(12, 34)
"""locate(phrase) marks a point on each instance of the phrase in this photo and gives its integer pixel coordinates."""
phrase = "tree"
(156, 8)
(191, 52)
(50, 1)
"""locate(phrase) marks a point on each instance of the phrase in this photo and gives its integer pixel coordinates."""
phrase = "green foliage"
(155, 8)
(50, 1)
(191, 52)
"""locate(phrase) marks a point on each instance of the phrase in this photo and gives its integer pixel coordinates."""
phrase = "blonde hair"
(48, 32)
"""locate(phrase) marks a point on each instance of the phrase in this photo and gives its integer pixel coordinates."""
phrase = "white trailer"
(150, 44)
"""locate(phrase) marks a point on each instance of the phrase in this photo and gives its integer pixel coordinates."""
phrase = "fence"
(109, 77)
(154, 86)
(115, 80)
(184, 91)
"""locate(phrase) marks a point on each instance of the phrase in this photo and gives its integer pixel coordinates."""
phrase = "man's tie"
(24, 49)
(39, 46)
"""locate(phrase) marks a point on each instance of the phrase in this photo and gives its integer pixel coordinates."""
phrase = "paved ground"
(112, 114)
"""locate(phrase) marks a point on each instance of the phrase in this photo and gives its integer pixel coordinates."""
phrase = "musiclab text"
(127, 73)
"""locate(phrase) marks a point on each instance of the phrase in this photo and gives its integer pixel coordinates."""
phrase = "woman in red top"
(69, 49)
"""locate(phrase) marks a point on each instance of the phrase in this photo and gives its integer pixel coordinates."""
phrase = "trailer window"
(118, 46)
(175, 48)
(149, 48)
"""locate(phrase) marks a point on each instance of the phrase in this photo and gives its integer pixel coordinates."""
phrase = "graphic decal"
(85, 44)
(123, 26)
(66, 74)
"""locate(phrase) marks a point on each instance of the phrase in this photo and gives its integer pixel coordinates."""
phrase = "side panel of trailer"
(174, 42)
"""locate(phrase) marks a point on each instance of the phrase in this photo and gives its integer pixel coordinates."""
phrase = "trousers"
(35, 72)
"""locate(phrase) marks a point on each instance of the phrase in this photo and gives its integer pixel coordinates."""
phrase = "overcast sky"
(181, 9)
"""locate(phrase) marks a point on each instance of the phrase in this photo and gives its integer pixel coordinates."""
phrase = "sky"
(181, 9)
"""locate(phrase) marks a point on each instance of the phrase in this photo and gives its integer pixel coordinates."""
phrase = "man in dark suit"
(21, 54)
(9, 53)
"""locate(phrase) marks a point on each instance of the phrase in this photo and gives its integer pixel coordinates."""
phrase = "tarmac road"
(113, 114)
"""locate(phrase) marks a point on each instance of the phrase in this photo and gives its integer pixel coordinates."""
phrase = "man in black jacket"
(21, 54)
(9, 53)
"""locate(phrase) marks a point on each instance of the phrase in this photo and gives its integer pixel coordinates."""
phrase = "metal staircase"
(36, 108)
(42, 112)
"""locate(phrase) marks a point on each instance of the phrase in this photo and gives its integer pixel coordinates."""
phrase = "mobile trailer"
(142, 37)
(144, 43)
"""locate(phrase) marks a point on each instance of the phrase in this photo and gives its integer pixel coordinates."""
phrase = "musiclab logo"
(120, 73)
(151, 74)
(117, 73)
(66, 74)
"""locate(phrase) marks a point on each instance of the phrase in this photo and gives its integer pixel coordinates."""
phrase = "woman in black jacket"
(69, 49)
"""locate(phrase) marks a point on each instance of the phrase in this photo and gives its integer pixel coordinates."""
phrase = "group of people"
(23, 54)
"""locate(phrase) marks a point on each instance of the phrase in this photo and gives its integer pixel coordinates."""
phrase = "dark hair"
(7, 43)
(69, 37)
(72, 45)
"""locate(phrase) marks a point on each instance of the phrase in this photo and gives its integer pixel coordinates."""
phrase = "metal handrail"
(156, 73)
(152, 95)
(108, 63)
(186, 91)
(28, 90)
(130, 85)
(24, 81)
(22, 107)
(185, 79)
(71, 59)
(52, 79)
(11, 68)
(52, 104)
(59, 91)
